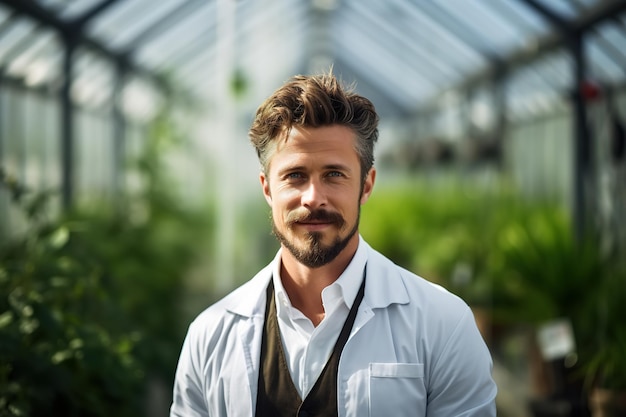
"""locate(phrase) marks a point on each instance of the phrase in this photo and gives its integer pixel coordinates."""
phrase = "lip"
(314, 226)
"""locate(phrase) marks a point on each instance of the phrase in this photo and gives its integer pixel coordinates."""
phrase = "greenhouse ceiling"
(404, 54)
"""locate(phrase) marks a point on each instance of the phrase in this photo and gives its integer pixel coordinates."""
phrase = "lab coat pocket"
(397, 389)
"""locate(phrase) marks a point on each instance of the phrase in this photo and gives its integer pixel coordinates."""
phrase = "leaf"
(6, 319)
(28, 326)
(61, 356)
(60, 237)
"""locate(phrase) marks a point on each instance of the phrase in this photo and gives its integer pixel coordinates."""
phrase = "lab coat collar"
(252, 295)
(384, 286)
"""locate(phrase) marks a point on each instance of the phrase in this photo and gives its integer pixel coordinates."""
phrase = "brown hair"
(315, 101)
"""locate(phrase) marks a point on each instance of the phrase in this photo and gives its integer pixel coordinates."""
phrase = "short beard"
(316, 254)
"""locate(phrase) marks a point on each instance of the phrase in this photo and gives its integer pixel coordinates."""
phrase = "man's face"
(313, 185)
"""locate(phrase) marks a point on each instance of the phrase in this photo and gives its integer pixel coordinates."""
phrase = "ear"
(265, 185)
(368, 185)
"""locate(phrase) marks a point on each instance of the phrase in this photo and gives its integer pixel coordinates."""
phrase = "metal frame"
(574, 40)
(73, 35)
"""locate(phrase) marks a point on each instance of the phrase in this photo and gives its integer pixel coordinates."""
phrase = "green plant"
(605, 361)
(90, 306)
(445, 233)
(543, 272)
(59, 353)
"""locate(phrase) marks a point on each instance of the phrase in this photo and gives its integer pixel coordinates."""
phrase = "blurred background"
(129, 194)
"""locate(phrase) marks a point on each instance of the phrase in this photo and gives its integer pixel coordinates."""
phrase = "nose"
(313, 195)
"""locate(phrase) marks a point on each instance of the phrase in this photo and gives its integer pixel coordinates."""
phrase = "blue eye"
(335, 174)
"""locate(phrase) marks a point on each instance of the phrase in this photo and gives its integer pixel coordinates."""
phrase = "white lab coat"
(414, 350)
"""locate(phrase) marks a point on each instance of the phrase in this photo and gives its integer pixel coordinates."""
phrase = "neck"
(304, 285)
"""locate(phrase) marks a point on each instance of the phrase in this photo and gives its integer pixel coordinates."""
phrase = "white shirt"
(307, 348)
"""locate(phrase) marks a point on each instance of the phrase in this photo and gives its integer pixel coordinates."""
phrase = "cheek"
(350, 200)
(280, 207)
(285, 199)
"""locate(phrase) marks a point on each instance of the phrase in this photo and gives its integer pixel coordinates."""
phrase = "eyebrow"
(290, 169)
(337, 167)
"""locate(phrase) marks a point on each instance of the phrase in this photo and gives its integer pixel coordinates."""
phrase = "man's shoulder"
(420, 292)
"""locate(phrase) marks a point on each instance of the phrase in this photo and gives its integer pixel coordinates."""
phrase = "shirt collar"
(350, 279)
(348, 282)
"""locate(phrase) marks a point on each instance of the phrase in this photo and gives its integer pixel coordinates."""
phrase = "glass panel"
(179, 36)
(494, 32)
(521, 15)
(22, 44)
(93, 80)
(409, 50)
(387, 61)
(614, 36)
(395, 40)
(140, 101)
(582, 5)
(196, 68)
(531, 90)
(56, 5)
(4, 14)
(179, 17)
(482, 110)
(39, 63)
(442, 13)
(13, 156)
(558, 68)
(76, 8)
(94, 157)
(123, 21)
(17, 31)
(262, 35)
(435, 38)
(259, 36)
(388, 74)
(562, 8)
(601, 66)
(180, 57)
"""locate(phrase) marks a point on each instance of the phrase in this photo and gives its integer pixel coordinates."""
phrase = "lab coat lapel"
(251, 310)
(245, 378)
(383, 287)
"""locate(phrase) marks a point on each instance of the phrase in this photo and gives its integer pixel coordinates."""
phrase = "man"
(330, 326)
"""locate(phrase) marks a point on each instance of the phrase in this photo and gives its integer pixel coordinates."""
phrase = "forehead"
(328, 143)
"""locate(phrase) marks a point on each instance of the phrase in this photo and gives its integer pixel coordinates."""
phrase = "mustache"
(320, 215)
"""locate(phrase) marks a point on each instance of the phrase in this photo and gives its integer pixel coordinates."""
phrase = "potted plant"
(545, 276)
(605, 366)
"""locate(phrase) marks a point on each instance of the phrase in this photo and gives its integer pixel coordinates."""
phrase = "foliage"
(89, 303)
(58, 354)
(605, 361)
(490, 247)
(548, 273)
(444, 233)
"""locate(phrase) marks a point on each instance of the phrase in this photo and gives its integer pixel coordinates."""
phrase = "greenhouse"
(130, 197)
